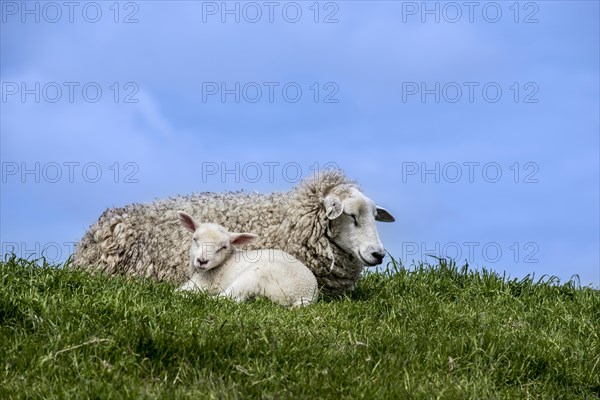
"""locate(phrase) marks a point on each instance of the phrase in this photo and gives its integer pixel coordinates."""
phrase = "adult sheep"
(326, 222)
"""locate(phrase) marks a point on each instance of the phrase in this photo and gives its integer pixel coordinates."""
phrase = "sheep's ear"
(384, 215)
(242, 238)
(333, 206)
(187, 221)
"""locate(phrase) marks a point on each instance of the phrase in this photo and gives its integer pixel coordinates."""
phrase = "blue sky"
(371, 63)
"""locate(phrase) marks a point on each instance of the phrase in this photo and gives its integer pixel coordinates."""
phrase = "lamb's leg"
(244, 287)
(189, 286)
(303, 302)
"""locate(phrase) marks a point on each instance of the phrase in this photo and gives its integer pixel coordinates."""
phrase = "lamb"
(325, 222)
(218, 268)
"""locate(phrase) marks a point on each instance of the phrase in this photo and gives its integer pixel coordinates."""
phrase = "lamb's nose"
(201, 261)
(378, 255)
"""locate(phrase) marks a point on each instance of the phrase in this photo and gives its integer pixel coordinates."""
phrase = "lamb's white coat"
(218, 268)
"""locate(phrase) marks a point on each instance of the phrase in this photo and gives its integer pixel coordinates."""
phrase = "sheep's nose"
(201, 261)
(378, 255)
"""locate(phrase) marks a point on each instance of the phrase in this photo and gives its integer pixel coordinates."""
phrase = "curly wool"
(148, 239)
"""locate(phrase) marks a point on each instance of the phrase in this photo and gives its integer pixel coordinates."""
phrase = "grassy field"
(431, 332)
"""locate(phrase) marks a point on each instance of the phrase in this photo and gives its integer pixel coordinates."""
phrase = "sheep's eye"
(195, 240)
(354, 218)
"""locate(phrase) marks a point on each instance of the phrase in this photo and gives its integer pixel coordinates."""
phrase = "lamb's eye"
(224, 247)
(354, 218)
(195, 240)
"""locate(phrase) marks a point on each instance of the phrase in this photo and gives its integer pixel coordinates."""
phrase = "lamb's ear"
(187, 221)
(242, 238)
(333, 206)
(384, 215)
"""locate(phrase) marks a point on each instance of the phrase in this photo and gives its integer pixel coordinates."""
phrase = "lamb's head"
(352, 217)
(211, 244)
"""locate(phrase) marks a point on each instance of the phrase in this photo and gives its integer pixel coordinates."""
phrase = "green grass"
(433, 331)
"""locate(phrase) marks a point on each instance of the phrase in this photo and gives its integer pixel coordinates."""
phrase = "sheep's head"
(352, 217)
(211, 244)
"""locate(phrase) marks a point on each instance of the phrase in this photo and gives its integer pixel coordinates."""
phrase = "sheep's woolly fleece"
(148, 239)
